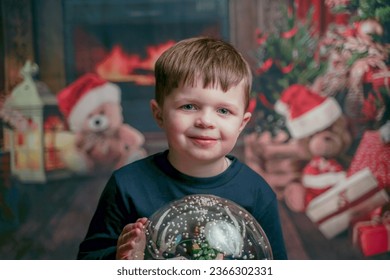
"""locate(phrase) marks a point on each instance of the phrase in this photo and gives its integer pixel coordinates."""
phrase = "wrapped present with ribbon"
(375, 155)
(354, 196)
(368, 216)
(373, 236)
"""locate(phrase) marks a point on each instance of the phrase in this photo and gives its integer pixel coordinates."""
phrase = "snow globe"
(205, 227)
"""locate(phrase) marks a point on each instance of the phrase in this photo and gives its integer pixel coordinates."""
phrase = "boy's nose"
(204, 120)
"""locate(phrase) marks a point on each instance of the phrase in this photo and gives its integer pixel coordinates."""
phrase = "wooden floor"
(51, 220)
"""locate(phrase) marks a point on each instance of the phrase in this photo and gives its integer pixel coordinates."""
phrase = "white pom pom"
(224, 237)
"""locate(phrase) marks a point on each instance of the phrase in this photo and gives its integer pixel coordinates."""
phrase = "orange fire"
(120, 67)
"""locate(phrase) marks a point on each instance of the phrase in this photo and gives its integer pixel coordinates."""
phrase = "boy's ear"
(245, 120)
(157, 112)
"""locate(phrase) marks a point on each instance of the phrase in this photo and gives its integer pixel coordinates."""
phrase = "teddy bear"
(278, 158)
(101, 140)
(321, 122)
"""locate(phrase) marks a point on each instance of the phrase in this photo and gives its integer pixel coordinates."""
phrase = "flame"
(119, 66)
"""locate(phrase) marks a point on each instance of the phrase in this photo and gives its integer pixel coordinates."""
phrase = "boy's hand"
(132, 241)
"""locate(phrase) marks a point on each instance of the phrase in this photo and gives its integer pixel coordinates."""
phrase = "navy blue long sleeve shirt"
(141, 188)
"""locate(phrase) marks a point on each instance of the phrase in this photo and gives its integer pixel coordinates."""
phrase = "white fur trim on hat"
(281, 108)
(317, 119)
(324, 180)
(97, 96)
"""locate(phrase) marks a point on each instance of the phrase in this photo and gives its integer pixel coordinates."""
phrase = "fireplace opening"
(120, 40)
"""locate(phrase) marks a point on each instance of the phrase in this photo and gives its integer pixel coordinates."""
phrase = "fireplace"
(120, 40)
(69, 37)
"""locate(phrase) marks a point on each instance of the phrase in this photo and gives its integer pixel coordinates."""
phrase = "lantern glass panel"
(52, 154)
(28, 147)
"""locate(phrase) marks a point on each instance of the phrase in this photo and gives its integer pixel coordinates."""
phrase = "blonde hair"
(213, 61)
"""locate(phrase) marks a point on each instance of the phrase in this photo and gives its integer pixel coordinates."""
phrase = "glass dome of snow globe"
(205, 227)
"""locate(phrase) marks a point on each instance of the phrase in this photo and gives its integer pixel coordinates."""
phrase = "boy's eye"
(188, 107)
(223, 111)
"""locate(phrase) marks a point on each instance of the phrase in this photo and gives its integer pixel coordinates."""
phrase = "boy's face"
(202, 125)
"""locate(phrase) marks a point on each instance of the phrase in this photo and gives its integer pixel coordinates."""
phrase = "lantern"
(34, 156)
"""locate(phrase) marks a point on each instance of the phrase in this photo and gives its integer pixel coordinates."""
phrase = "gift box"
(355, 196)
(367, 216)
(372, 153)
(372, 237)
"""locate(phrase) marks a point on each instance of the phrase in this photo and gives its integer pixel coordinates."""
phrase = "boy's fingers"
(128, 227)
(123, 251)
(131, 242)
(142, 220)
(133, 250)
(132, 234)
(138, 224)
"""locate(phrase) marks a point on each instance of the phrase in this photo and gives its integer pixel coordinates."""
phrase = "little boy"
(202, 94)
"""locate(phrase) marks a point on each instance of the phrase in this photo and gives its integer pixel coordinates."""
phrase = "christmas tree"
(363, 10)
(349, 62)
(285, 57)
(358, 57)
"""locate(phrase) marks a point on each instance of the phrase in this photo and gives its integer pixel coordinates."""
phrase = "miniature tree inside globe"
(205, 227)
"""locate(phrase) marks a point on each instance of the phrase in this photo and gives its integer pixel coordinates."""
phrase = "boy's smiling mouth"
(204, 141)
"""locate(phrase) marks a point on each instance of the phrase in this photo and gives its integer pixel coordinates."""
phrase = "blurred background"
(332, 180)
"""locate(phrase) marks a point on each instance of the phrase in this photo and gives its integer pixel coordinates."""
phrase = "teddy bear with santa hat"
(320, 120)
(101, 140)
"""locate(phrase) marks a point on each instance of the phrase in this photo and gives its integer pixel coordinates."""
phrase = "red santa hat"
(306, 112)
(322, 173)
(87, 93)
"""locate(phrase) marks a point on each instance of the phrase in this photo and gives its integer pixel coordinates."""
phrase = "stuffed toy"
(321, 122)
(278, 158)
(101, 142)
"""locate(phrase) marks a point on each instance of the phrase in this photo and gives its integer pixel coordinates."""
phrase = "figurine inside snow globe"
(205, 227)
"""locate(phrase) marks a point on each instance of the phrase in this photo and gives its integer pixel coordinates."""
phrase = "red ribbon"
(344, 204)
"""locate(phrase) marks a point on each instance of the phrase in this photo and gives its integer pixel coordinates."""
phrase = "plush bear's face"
(107, 118)
(332, 141)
